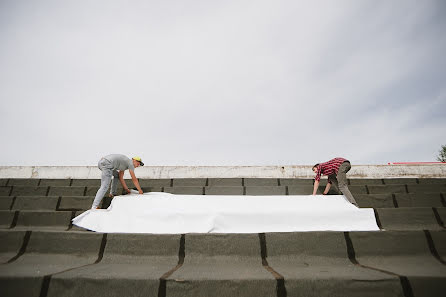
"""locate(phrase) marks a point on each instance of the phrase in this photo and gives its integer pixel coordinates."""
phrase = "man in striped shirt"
(336, 170)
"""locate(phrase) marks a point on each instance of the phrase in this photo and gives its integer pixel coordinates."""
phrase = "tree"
(442, 154)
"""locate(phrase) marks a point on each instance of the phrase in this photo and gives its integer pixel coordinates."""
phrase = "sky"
(222, 82)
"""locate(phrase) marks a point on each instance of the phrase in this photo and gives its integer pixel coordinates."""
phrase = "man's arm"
(121, 179)
(327, 188)
(135, 181)
(316, 185)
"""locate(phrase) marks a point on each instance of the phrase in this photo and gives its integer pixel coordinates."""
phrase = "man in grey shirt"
(114, 166)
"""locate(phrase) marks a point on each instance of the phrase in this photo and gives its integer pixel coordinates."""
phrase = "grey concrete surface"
(132, 265)
(29, 191)
(76, 202)
(35, 203)
(266, 190)
(6, 202)
(365, 181)
(155, 182)
(442, 214)
(47, 253)
(30, 182)
(43, 220)
(55, 182)
(419, 200)
(218, 190)
(185, 190)
(3, 182)
(386, 189)
(5, 191)
(189, 182)
(432, 181)
(400, 181)
(438, 188)
(404, 253)
(221, 265)
(86, 183)
(317, 264)
(6, 217)
(295, 182)
(225, 182)
(414, 218)
(375, 200)
(66, 191)
(439, 239)
(11, 242)
(261, 182)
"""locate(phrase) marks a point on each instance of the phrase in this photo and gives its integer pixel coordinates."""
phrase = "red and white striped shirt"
(329, 168)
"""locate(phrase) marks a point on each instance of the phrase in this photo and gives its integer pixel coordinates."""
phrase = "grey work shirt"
(120, 162)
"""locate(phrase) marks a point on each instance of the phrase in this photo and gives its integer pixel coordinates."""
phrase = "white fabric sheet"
(163, 213)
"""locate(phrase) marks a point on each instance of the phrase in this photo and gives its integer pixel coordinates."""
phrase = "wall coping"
(290, 171)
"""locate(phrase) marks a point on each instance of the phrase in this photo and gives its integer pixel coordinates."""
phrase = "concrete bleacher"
(43, 254)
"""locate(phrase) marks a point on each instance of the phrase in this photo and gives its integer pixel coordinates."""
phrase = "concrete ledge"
(161, 172)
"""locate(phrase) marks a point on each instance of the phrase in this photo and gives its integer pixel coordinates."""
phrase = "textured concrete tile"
(42, 220)
(55, 182)
(303, 190)
(414, 218)
(375, 200)
(29, 191)
(225, 263)
(365, 181)
(6, 202)
(5, 191)
(6, 218)
(3, 182)
(156, 183)
(86, 183)
(35, 203)
(30, 182)
(439, 238)
(432, 181)
(387, 189)
(442, 214)
(151, 189)
(189, 182)
(217, 190)
(266, 190)
(91, 191)
(403, 253)
(76, 202)
(419, 200)
(400, 181)
(184, 190)
(225, 182)
(66, 191)
(132, 265)
(296, 182)
(426, 188)
(255, 182)
(11, 243)
(47, 253)
(317, 264)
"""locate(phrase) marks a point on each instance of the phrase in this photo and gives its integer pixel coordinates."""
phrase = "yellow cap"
(139, 160)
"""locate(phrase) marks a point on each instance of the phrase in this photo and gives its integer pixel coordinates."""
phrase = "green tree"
(442, 154)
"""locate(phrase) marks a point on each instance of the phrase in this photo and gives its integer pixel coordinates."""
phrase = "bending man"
(336, 170)
(114, 166)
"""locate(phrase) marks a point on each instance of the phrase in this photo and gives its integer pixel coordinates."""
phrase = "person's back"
(120, 162)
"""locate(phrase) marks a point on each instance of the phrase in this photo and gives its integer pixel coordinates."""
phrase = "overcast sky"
(222, 82)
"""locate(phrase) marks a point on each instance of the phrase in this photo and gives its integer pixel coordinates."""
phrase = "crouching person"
(336, 170)
(113, 167)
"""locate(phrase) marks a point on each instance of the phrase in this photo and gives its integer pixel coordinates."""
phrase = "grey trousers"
(107, 174)
(340, 181)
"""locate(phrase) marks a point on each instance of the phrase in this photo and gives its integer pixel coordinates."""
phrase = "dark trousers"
(340, 181)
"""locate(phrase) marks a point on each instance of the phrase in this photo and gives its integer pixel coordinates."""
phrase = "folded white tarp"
(163, 213)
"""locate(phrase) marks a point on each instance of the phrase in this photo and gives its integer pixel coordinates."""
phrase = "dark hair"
(315, 166)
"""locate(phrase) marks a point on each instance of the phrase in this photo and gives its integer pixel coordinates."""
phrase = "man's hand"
(140, 192)
(128, 191)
